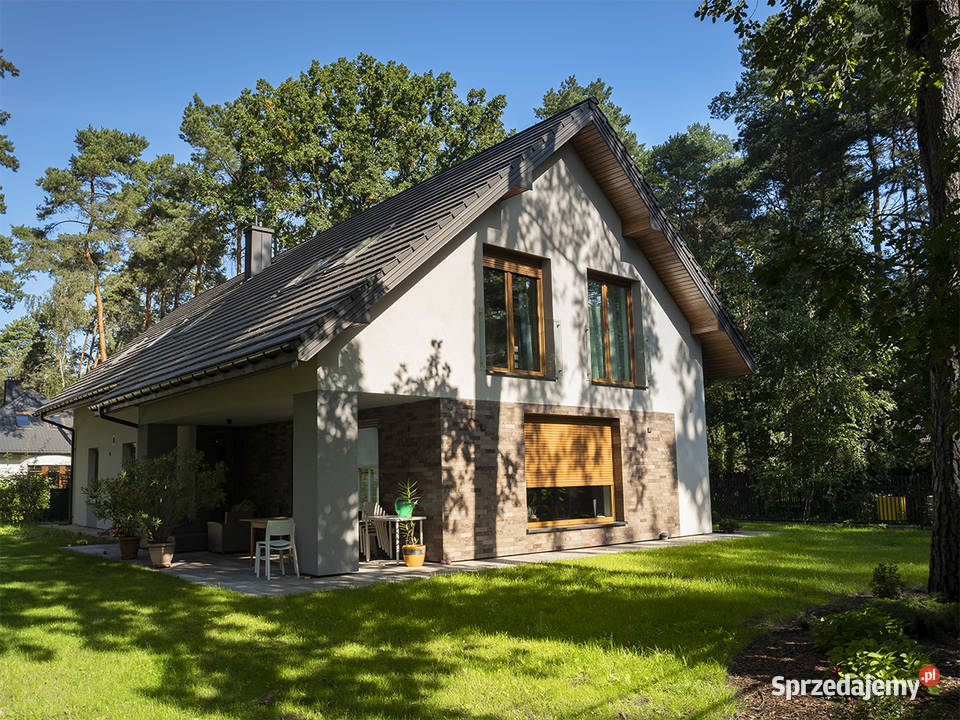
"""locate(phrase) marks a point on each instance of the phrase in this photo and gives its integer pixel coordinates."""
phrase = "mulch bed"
(788, 651)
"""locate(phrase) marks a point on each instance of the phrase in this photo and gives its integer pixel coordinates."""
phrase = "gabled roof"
(37, 437)
(311, 292)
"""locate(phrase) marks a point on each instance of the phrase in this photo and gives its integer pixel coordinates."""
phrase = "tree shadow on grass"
(393, 650)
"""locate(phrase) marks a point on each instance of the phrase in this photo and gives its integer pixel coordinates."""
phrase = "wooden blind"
(564, 453)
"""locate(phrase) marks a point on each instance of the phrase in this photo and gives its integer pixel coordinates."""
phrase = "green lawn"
(646, 634)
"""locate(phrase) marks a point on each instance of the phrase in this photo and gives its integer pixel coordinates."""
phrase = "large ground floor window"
(569, 471)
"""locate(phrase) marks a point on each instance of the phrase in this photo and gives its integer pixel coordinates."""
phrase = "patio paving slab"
(233, 572)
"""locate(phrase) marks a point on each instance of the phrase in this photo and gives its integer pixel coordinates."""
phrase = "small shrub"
(152, 496)
(886, 582)
(728, 525)
(885, 707)
(843, 628)
(886, 659)
(24, 497)
(922, 618)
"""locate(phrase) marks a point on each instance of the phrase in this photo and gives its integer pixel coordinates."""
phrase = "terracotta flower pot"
(413, 555)
(161, 554)
(129, 546)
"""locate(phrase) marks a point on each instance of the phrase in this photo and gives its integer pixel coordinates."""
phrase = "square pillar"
(325, 499)
(154, 439)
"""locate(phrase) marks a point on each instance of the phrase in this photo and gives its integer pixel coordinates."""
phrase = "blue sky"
(135, 65)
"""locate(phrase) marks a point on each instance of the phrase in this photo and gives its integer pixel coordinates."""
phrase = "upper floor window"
(611, 330)
(513, 314)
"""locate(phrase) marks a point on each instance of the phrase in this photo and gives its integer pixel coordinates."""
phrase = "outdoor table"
(395, 520)
(261, 524)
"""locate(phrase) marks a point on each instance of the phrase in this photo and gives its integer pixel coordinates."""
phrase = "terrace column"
(155, 439)
(325, 481)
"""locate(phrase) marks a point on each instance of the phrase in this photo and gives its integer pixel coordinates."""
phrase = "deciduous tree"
(832, 51)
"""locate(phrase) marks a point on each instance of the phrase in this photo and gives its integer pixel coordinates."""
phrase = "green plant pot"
(404, 507)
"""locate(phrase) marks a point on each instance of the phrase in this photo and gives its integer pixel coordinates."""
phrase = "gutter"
(100, 408)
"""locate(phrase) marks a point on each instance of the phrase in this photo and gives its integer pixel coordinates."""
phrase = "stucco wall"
(428, 340)
(108, 438)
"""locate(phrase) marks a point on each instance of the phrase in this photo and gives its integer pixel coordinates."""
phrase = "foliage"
(727, 525)
(884, 707)
(10, 282)
(886, 582)
(117, 500)
(923, 618)
(24, 497)
(841, 629)
(92, 192)
(887, 659)
(649, 634)
(852, 56)
(7, 158)
(570, 92)
(874, 641)
(321, 147)
(152, 496)
(409, 531)
(818, 415)
(408, 491)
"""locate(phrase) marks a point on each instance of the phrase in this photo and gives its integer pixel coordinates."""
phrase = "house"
(27, 443)
(524, 335)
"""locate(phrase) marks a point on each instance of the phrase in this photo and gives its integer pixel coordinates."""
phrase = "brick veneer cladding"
(468, 459)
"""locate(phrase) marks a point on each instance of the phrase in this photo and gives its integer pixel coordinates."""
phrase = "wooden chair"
(278, 529)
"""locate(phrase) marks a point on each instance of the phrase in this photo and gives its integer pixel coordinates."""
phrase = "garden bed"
(788, 650)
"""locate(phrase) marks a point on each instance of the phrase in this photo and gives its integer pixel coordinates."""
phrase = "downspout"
(73, 464)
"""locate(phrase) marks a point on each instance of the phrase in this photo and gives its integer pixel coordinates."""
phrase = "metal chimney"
(258, 250)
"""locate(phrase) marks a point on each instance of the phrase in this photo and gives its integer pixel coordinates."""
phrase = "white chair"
(370, 512)
(278, 529)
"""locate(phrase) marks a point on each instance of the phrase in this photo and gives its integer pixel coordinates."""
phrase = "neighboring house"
(28, 443)
(524, 334)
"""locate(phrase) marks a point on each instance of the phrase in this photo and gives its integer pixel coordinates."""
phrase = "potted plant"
(114, 500)
(169, 490)
(406, 499)
(414, 552)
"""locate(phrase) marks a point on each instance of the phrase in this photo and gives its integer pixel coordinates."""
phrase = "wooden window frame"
(613, 484)
(605, 282)
(511, 266)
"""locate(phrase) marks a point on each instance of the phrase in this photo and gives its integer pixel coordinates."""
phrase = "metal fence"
(902, 498)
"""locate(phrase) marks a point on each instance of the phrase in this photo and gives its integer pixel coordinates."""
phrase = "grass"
(646, 634)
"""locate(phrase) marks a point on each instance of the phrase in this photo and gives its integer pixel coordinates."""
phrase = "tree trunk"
(938, 130)
(163, 301)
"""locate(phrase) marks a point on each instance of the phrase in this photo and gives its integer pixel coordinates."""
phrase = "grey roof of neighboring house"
(313, 291)
(39, 437)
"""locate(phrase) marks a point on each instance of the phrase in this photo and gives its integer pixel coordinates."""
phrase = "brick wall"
(266, 466)
(485, 496)
(467, 458)
(409, 438)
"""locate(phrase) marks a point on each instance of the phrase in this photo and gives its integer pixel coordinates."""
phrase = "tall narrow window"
(513, 315)
(611, 331)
